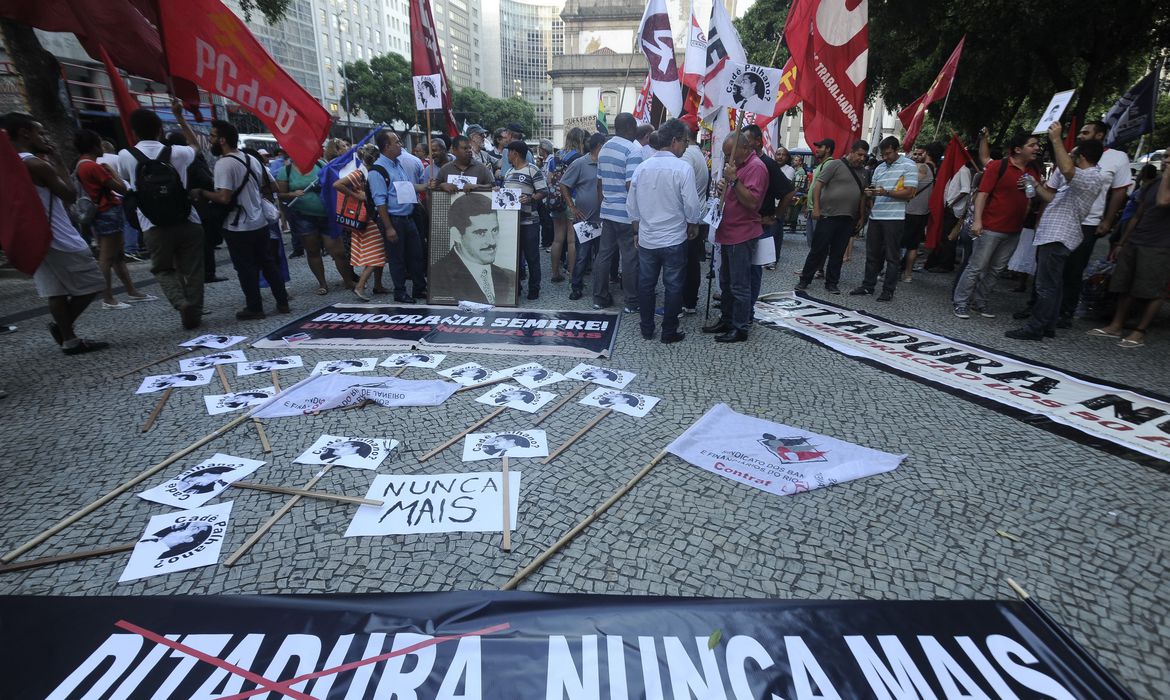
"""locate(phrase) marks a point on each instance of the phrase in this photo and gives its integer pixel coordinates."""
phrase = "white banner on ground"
(277, 363)
(356, 452)
(202, 482)
(158, 382)
(627, 402)
(215, 342)
(772, 457)
(220, 358)
(605, 376)
(1118, 415)
(173, 542)
(323, 392)
(533, 375)
(226, 403)
(350, 366)
(512, 396)
(515, 444)
(414, 359)
(469, 374)
(414, 505)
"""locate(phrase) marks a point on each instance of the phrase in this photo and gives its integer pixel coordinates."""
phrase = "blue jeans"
(530, 247)
(830, 239)
(584, 250)
(671, 261)
(735, 283)
(406, 254)
(1051, 259)
(131, 238)
(989, 258)
(252, 257)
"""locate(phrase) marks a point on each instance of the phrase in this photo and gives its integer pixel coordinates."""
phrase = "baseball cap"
(548, 146)
(476, 129)
(515, 128)
(263, 151)
(827, 142)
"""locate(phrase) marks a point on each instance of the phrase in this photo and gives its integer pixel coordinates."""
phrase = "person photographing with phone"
(894, 184)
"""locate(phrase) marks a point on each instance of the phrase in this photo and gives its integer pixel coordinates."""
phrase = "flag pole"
(947, 99)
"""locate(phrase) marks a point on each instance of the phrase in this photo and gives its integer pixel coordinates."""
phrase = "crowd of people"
(653, 206)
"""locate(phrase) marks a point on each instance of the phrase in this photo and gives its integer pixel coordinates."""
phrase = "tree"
(477, 107)
(381, 88)
(760, 30)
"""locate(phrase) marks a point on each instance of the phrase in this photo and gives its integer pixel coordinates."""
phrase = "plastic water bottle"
(1029, 187)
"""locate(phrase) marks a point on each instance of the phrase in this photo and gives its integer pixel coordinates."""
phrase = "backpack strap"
(234, 202)
(860, 184)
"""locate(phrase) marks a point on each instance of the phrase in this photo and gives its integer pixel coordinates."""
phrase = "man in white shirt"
(169, 224)
(238, 181)
(664, 205)
(697, 246)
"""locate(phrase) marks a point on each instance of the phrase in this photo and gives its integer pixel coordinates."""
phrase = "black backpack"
(158, 190)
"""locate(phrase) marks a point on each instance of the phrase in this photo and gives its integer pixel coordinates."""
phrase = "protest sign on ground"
(421, 504)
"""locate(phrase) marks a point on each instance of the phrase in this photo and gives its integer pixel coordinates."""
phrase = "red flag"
(209, 45)
(955, 158)
(24, 228)
(915, 113)
(1070, 139)
(642, 104)
(425, 57)
(122, 97)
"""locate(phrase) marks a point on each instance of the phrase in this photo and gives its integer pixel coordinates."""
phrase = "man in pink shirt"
(745, 180)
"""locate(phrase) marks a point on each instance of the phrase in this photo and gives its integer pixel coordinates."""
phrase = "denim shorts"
(108, 222)
(302, 225)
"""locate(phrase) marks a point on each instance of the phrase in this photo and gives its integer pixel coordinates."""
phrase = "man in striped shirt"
(894, 184)
(615, 168)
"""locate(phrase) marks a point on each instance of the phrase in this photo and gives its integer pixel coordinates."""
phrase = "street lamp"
(344, 78)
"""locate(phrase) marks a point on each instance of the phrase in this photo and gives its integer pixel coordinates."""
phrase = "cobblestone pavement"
(1092, 528)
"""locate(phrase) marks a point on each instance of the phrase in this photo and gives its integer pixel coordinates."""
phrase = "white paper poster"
(469, 374)
(414, 359)
(404, 192)
(506, 198)
(202, 482)
(323, 392)
(533, 375)
(515, 444)
(349, 366)
(215, 342)
(277, 363)
(627, 402)
(178, 541)
(612, 378)
(158, 382)
(519, 398)
(713, 213)
(1052, 112)
(437, 503)
(751, 88)
(226, 403)
(220, 358)
(356, 452)
(460, 180)
(586, 231)
(428, 92)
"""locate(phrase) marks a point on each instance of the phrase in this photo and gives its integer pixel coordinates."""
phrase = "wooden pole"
(121, 489)
(276, 382)
(584, 429)
(506, 545)
(481, 385)
(251, 541)
(568, 536)
(223, 378)
(157, 409)
(307, 494)
(263, 435)
(34, 563)
(560, 402)
(461, 433)
(941, 114)
(152, 363)
(399, 372)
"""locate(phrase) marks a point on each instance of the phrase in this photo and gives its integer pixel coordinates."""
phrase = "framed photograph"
(474, 251)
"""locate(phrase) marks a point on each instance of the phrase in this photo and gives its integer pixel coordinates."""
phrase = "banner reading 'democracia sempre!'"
(528, 646)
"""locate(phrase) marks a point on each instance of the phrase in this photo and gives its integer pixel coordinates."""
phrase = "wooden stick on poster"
(481, 385)
(45, 561)
(506, 545)
(157, 409)
(151, 471)
(399, 372)
(560, 402)
(251, 541)
(276, 382)
(584, 429)
(460, 434)
(223, 378)
(263, 435)
(568, 536)
(307, 494)
(152, 363)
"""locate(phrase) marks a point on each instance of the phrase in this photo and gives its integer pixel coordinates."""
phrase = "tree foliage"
(273, 10)
(381, 88)
(760, 30)
(477, 107)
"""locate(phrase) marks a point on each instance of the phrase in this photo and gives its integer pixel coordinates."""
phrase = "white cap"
(263, 151)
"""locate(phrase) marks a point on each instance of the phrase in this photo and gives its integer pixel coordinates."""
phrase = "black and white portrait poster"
(751, 88)
(533, 375)
(627, 402)
(473, 254)
(178, 541)
(215, 342)
(586, 231)
(469, 374)
(356, 452)
(226, 403)
(612, 378)
(415, 505)
(428, 92)
(349, 366)
(202, 482)
(159, 382)
(519, 398)
(414, 359)
(277, 363)
(515, 443)
(230, 357)
(506, 198)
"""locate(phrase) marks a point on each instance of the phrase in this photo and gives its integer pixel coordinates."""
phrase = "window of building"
(609, 98)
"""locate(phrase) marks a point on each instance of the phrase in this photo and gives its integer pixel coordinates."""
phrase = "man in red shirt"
(1001, 205)
(745, 181)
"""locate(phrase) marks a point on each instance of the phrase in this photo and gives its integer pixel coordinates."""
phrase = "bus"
(257, 141)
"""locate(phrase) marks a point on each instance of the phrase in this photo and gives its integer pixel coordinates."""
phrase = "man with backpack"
(238, 181)
(156, 175)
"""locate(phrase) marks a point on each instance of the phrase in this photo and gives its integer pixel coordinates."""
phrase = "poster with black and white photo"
(605, 376)
(159, 382)
(178, 541)
(196, 486)
(751, 88)
(627, 402)
(474, 250)
(428, 92)
(460, 180)
(356, 452)
(1052, 112)
(586, 231)
(506, 198)
(220, 358)
(519, 398)
(226, 403)
(424, 504)
(533, 375)
(348, 366)
(468, 374)
(275, 364)
(215, 342)
(414, 359)
(514, 444)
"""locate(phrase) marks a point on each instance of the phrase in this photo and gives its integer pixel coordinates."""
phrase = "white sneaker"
(961, 312)
(145, 297)
(116, 306)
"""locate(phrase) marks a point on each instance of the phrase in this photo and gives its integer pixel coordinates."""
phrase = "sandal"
(321, 291)
(1102, 333)
(1127, 343)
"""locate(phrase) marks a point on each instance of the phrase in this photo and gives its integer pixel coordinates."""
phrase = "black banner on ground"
(449, 329)
(518, 646)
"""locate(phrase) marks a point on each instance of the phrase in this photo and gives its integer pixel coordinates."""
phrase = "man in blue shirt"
(616, 163)
(404, 251)
(894, 184)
